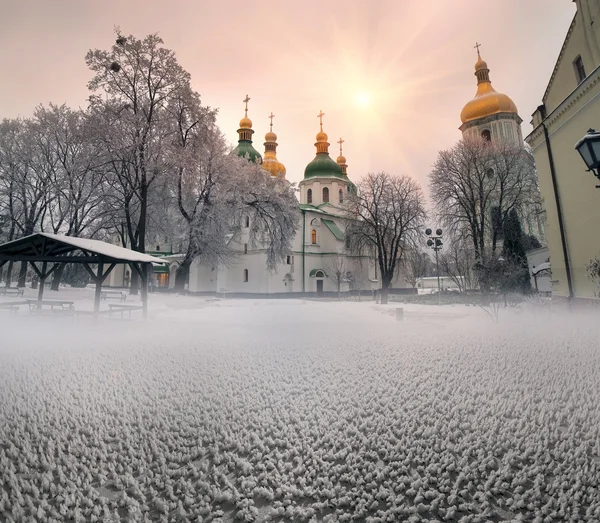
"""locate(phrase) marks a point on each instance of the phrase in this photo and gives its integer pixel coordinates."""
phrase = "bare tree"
(338, 271)
(476, 184)
(414, 266)
(139, 79)
(457, 261)
(387, 213)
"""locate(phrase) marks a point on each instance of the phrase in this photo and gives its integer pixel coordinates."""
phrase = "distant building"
(570, 106)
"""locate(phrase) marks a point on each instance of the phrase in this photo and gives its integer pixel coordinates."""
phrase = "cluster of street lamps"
(434, 242)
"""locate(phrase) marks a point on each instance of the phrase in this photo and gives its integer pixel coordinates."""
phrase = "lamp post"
(435, 242)
(589, 149)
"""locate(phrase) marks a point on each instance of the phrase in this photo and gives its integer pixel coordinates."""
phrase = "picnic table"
(15, 291)
(12, 306)
(122, 308)
(57, 306)
(104, 295)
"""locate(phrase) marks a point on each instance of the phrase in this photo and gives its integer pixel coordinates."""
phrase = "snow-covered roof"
(541, 267)
(39, 244)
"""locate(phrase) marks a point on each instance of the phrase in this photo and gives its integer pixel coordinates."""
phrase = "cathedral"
(319, 248)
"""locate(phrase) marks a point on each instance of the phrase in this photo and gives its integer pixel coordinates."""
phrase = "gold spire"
(245, 122)
(487, 100)
(270, 161)
(322, 144)
(341, 159)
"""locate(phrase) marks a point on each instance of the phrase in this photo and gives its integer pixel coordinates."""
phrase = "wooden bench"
(13, 291)
(122, 308)
(104, 295)
(12, 306)
(52, 306)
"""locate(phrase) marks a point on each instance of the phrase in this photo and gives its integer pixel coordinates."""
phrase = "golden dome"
(273, 166)
(322, 137)
(341, 160)
(270, 137)
(245, 123)
(487, 100)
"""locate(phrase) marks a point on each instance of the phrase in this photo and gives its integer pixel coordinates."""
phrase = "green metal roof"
(245, 148)
(323, 165)
(335, 230)
(313, 273)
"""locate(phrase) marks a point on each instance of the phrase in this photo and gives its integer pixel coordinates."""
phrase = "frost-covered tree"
(387, 212)
(133, 85)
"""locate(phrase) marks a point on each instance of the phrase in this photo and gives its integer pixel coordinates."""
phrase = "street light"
(589, 149)
(435, 242)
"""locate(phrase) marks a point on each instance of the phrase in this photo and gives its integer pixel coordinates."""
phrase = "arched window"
(341, 196)
(319, 274)
(309, 196)
(313, 236)
(247, 221)
(245, 275)
(486, 135)
(325, 195)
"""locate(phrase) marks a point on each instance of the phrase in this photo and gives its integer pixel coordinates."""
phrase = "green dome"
(323, 165)
(245, 148)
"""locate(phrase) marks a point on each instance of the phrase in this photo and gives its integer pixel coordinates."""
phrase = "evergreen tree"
(514, 254)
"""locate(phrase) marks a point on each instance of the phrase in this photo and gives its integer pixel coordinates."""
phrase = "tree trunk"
(181, 275)
(22, 274)
(134, 284)
(57, 276)
(385, 285)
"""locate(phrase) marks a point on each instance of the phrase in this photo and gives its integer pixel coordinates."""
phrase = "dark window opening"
(486, 135)
(325, 195)
(245, 275)
(247, 221)
(579, 69)
(341, 196)
(309, 196)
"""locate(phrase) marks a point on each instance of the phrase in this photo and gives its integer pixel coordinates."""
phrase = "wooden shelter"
(51, 250)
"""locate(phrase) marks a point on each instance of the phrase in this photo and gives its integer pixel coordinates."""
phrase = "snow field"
(300, 412)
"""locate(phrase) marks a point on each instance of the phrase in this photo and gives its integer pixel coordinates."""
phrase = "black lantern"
(589, 149)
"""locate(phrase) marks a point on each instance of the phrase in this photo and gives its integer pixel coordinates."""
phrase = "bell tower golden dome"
(489, 114)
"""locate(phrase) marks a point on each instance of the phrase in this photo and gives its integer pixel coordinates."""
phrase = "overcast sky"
(391, 76)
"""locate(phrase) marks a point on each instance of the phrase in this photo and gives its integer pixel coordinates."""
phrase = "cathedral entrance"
(319, 287)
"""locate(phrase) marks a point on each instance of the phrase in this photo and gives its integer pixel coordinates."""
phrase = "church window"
(309, 196)
(319, 274)
(288, 259)
(314, 222)
(245, 275)
(313, 236)
(579, 69)
(247, 221)
(509, 131)
(341, 196)
(486, 135)
(245, 248)
(325, 195)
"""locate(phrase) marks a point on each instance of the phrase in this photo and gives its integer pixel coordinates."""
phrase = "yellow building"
(570, 106)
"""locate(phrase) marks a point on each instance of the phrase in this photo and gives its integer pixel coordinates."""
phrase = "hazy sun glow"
(363, 99)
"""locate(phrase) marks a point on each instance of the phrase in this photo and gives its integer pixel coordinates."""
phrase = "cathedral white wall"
(317, 184)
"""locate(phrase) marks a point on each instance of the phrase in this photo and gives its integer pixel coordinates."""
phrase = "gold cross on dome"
(341, 141)
(320, 117)
(271, 116)
(477, 46)
(246, 100)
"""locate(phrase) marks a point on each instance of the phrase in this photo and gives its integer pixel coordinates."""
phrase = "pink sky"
(414, 59)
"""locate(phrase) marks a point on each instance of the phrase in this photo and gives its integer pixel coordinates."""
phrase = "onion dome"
(341, 159)
(245, 132)
(323, 164)
(487, 100)
(270, 162)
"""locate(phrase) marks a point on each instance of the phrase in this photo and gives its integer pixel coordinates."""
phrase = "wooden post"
(42, 277)
(98, 289)
(144, 278)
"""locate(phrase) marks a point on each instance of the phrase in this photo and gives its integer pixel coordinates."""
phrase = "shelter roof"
(44, 246)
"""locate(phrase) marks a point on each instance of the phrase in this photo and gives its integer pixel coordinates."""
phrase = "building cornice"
(573, 98)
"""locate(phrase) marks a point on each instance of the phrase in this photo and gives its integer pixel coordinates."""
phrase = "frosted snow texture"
(300, 412)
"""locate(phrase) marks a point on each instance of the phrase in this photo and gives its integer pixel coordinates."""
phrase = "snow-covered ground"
(291, 410)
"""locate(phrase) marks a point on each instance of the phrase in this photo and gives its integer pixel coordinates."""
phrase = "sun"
(363, 99)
